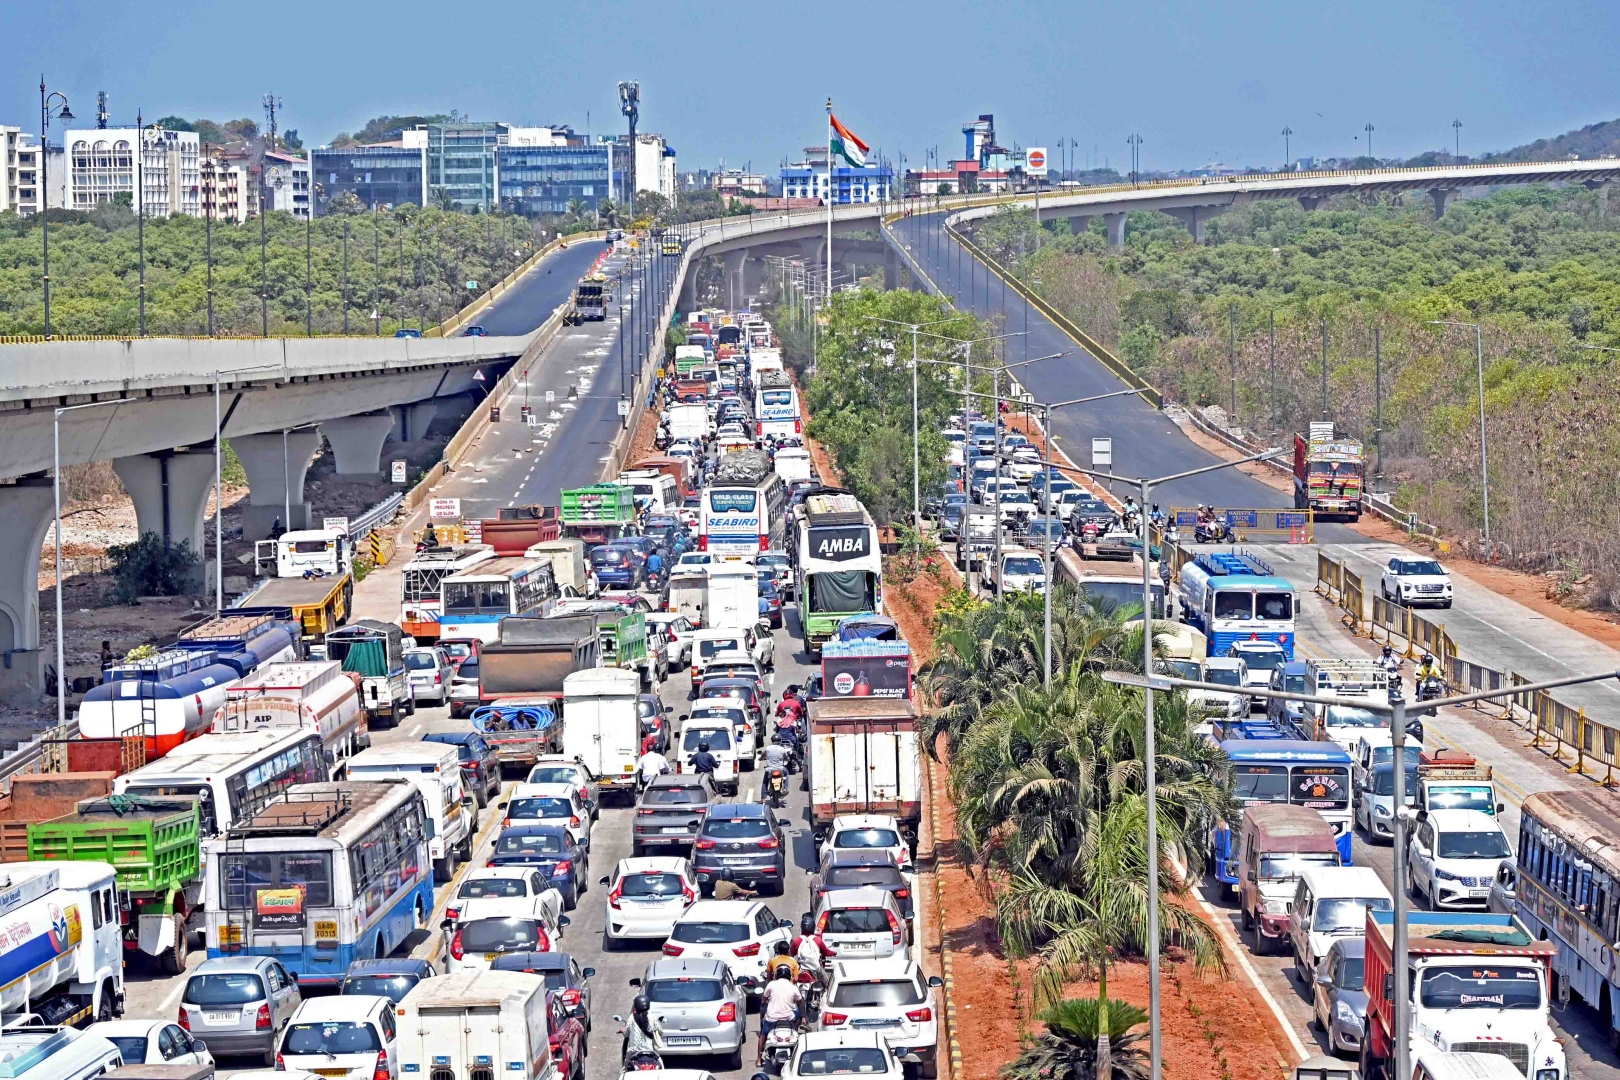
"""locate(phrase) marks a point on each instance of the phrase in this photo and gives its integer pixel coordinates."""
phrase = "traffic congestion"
(636, 772)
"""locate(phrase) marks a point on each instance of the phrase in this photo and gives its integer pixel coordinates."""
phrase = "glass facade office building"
(382, 176)
(536, 180)
(461, 163)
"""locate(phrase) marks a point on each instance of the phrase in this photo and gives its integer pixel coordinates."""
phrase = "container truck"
(598, 513)
(602, 726)
(310, 573)
(479, 1023)
(1478, 984)
(376, 652)
(1328, 472)
(63, 962)
(155, 844)
(568, 569)
(864, 759)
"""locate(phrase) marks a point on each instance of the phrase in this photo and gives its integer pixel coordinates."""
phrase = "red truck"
(1329, 472)
(1479, 984)
(518, 528)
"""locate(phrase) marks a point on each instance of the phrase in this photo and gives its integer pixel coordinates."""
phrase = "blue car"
(548, 848)
(475, 331)
(407, 332)
(618, 566)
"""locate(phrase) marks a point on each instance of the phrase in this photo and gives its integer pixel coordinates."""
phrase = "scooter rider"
(638, 1033)
(1427, 669)
(778, 1007)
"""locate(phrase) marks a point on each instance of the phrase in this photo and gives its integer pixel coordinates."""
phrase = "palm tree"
(609, 214)
(1070, 1049)
(576, 211)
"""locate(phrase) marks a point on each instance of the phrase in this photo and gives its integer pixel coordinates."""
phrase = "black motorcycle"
(1211, 532)
(791, 743)
(776, 786)
(1431, 687)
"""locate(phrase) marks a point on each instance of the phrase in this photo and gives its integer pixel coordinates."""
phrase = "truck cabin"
(304, 553)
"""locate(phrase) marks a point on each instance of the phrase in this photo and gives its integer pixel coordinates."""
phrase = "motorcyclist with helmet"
(639, 1037)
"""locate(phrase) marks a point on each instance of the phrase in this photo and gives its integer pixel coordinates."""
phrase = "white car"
(890, 996)
(153, 1042)
(863, 923)
(734, 711)
(1017, 504)
(867, 832)
(1067, 500)
(491, 926)
(743, 933)
(711, 646)
(499, 882)
(1259, 657)
(429, 671)
(355, 1033)
(840, 1053)
(1416, 581)
(1022, 570)
(1454, 856)
(1050, 496)
(679, 630)
(647, 895)
(549, 804)
(692, 562)
(557, 769)
(1228, 671)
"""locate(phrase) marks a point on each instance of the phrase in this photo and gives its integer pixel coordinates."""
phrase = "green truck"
(622, 643)
(154, 844)
(598, 513)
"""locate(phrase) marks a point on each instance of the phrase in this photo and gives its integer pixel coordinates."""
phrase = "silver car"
(240, 1004)
(1338, 998)
(429, 673)
(697, 1008)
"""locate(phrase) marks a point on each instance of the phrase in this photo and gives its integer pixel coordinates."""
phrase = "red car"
(568, 1043)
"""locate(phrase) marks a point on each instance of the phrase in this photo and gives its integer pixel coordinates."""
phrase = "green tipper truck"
(154, 845)
(598, 513)
(623, 642)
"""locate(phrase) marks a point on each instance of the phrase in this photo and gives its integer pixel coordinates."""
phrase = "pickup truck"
(1453, 780)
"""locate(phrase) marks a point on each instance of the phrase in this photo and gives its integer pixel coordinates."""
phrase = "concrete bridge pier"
(26, 507)
(1441, 197)
(412, 421)
(734, 261)
(891, 272)
(1079, 223)
(814, 252)
(1310, 202)
(275, 479)
(1602, 187)
(357, 442)
(689, 288)
(170, 491)
(1195, 218)
(1116, 229)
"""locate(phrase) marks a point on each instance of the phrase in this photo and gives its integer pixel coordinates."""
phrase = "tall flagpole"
(829, 198)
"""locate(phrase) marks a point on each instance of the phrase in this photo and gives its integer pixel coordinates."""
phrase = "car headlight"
(1444, 875)
(1276, 907)
(1344, 1014)
(1381, 811)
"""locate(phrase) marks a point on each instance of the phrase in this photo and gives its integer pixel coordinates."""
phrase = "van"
(722, 743)
(567, 556)
(435, 769)
(689, 596)
(793, 464)
(733, 600)
(1276, 844)
(654, 491)
(1331, 902)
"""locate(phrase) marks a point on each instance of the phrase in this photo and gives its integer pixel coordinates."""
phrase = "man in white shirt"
(650, 765)
(778, 1007)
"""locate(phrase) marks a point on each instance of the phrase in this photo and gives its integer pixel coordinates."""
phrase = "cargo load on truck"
(747, 467)
(1329, 471)
(533, 656)
(316, 694)
(308, 571)
(864, 759)
(245, 640)
(476, 1023)
(590, 299)
(155, 844)
(598, 513)
(567, 558)
(376, 652)
(63, 960)
(517, 528)
(41, 797)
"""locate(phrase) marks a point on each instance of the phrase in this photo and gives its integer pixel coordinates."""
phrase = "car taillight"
(646, 813)
(185, 1021)
(894, 927)
(542, 941)
(564, 866)
(798, 427)
(506, 822)
(703, 543)
(727, 1013)
(902, 893)
(821, 925)
(770, 843)
(452, 913)
(613, 897)
(832, 1019)
(570, 997)
(688, 894)
(455, 945)
(764, 543)
(583, 794)
(751, 949)
(920, 1016)
(704, 845)
(262, 1021)
(671, 949)
(437, 679)
(380, 1072)
(281, 1065)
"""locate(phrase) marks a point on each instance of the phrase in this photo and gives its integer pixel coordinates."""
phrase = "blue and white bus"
(776, 406)
(475, 600)
(744, 508)
(1235, 596)
(1312, 774)
(328, 874)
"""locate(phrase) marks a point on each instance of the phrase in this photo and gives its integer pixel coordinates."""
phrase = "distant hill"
(1593, 140)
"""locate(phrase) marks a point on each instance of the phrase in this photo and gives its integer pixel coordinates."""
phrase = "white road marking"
(174, 996)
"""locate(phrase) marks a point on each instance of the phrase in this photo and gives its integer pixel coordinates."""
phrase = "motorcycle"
(1172, 536)
(776, 786)
(788, 738)
(1431, 687)
(642, 1061)
(779, 1047)
(1211, 532)
(812, 987)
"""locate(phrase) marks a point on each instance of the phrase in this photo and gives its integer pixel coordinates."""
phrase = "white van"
(689, 596)
(56, 1053)
(602, 726)
(722, 742)
(435, 769)
(1331, 902)
(733, 599)
(793, 464)
(459, 1022)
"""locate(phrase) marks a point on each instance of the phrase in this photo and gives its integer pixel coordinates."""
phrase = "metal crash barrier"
(1248, 524)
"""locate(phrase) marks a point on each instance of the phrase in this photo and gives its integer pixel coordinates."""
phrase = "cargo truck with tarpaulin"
(598, 513)
(376, 652)
(840, 571)
(864, 758)
(1329, 470)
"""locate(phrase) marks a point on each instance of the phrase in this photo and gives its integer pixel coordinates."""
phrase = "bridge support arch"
(1310, 202)
(275, 480)
(412, 421)
(357, 442)
(26, 506)
(1195, 218)
(170, 491)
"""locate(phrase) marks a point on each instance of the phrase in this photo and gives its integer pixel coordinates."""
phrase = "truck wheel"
(173, 960)
(1259, 948)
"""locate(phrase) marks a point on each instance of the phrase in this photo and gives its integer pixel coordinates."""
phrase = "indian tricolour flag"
(846, 144)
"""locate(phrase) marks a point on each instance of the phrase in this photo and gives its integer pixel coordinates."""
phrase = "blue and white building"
(848, 184)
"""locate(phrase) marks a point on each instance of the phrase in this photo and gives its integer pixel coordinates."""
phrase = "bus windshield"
(472, 597)
(1260, 783)
(1238, 606)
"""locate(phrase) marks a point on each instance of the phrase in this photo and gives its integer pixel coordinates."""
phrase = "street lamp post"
(916, 469)
(1484, 473)
(140, 217)
(49, 106)
(1396, 709)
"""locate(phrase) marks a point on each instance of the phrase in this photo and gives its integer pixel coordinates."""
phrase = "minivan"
(1331, 902)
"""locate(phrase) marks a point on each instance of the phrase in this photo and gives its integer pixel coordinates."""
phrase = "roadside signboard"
(444, 508)
(397, 472)
(1035, 161)
(340, 524)
(1102, 453)
(866, 669)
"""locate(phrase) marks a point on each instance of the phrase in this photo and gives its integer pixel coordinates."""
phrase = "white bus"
(340, 868)
(840, 566)
(232, 775)
(744, 507)
(419, 585)
(776, 406)
(474, 601)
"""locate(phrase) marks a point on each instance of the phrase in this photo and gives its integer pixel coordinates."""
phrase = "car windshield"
(552, 774)
(684, 991)
(842, 1061)
(735, 828)
(673, 796)
(1352, 973)
(724, 716)
(132, 1048)
(1260, 783)
(392, 987)
(1481, 987)
(479, 888)
(1224, 675)
(656, 885)
(1343, 914)
(856, 921)
(1180, 669)
(717, 738)
(1472, 845)
(530, 844)
(1384, 782)
(237, 989)
(332, 1037)
(1420, 568)
(421, 661)
(1026, 565)
(1290, 864)
(1462, 797)
(500, 935)
(716, 646)
(709, 933)
(877, 992)
(866, 838)
(854, 877)
(1342, 716)
(1383, 754)
(1263, 659)
(539, 808)
(1293, 684)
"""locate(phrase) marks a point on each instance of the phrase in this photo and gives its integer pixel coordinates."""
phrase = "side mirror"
(587, 972)
(293, 976)
(500, 806)
(784, 822)
(199, 1045)
(683, 718)
(563, 920)
(605, 881)
(1253, 876)
(1501, 807)
(935, 980)
(448, 924)
(786, 924)
(636, 982)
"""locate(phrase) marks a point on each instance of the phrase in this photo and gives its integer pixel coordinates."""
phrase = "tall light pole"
(916, 468)
(51, 104)
(1369, 130)
(1456, 139)
(140, 216)
(1135, 143)
(1484, 471)
(1397, 711)
(1287, 133)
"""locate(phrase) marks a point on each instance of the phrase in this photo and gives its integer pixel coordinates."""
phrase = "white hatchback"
(743, 933)
(491, 926)
(867, 832)
(351, 1032)
(153, 1042)
(550, 804)
(647, 895)
(861, 924)
(891, 997)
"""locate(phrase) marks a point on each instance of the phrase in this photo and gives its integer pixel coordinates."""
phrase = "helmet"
(807, 923)
(703, 747)
(641, 1004)
(726, 874)
(1388, 651)
(1427, 659)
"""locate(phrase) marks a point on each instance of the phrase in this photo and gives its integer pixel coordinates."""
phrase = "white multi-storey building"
(101, 165)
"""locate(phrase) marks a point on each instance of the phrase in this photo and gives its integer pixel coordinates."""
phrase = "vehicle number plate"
(674, 829)
(736, 860)
(330, 1072)
(855, 946)
(1479, 893)
(682, 1040)
(492, 956)
(223, 1017)
(327, 930)
(876, 1023)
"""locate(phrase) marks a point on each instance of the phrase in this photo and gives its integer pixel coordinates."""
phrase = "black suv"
(745, 838)
(670, 811)
(480, 762)
(858, 868)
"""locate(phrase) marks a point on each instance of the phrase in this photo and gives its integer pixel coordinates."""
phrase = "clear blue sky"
(747, 82)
